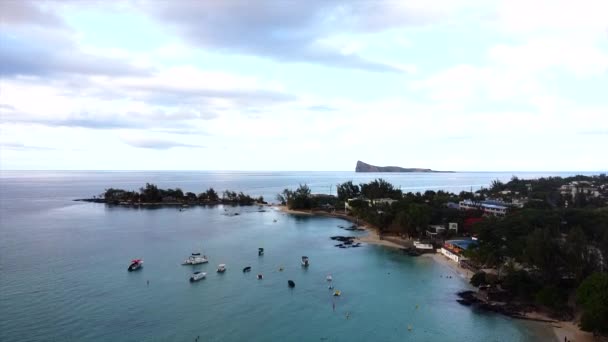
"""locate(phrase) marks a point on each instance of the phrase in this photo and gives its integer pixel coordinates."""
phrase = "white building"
(450, 255)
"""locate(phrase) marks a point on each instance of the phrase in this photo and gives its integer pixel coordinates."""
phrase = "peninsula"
(364, 167)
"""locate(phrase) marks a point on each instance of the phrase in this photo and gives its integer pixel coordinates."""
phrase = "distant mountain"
(364, 167)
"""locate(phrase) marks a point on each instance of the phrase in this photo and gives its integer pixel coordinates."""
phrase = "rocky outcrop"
(364, 167)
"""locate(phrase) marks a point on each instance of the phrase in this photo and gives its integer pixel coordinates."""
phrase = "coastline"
(561, 329)
(372, 237)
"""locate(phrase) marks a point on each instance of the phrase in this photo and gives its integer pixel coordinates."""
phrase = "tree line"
(152, 194)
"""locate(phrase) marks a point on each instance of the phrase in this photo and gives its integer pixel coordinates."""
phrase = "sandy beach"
(568, 330)
(461, 272)
(372, 237)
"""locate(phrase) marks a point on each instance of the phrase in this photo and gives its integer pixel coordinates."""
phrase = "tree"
(497, 186)
(348, 190)
(150, 194)
(379, 188)
(592, 295)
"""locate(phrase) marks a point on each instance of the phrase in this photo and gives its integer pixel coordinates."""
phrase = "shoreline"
(561, 329)
(372, 237)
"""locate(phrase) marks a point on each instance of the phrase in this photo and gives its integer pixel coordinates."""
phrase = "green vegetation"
(592, 295)
(151, 194)
(552, 241)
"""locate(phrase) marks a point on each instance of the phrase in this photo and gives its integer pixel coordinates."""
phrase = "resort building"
(492, 207)
(453, 249)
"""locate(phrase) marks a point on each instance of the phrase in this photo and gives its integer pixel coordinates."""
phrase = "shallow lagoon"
(64, 278)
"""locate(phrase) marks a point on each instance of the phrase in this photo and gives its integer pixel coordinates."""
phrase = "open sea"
(63, 266)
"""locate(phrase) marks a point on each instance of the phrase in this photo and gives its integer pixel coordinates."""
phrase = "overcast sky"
(304, 85)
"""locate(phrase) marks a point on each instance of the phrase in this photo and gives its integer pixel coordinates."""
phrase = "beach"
(561, 329)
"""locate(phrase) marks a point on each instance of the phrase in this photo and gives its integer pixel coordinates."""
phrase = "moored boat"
(247, 269)
(329, 277)
(291, 283)
(135, 265)
(260, 276)
(260, 251)
(221, 268)
(337, 293)
(196, 276)
(305, 262)
(196, 259)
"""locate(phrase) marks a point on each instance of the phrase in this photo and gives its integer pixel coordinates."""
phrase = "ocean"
(63, 266)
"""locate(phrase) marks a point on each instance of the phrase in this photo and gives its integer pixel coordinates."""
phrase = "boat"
(290, 283)
(247, 269)
(260, 251)
(331, 287)
(329, 277)
(260, 276)
(221, 268)
(196, 276)
(135, 265)
(305, 262)
(337, 293)
(196, 259)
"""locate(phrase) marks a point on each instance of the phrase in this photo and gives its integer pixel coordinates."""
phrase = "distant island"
(364, 167)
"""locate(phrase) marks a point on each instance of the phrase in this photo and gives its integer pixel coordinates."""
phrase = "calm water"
(63, 267)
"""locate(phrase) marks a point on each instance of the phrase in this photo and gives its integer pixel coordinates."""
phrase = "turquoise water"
(63, 277)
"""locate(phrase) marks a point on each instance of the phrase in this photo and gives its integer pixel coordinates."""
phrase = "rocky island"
(364, 167)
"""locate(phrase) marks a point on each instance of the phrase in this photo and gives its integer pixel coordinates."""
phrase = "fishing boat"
(305, 262)
(196, 276)
(260, 251)
(221, 268)
(247, 269)
(135, 265)
(290, 283)
(196, 259)
(337, 293)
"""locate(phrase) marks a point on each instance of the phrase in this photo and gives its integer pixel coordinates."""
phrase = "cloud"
(290, 31)
(24, 12)
(23, 147)
(35, 41)
(156, 144)
(38, 52)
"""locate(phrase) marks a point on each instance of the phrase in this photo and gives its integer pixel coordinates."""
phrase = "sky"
(469, 85)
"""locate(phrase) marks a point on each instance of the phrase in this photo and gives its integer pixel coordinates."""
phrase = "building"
(421, 245)
(492, 207)
(434, 230)
(453, 249)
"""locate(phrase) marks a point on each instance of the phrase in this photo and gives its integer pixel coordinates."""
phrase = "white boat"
(221, 268)
(329, 278)
(196, 259)
(196, 276)
(305, 261)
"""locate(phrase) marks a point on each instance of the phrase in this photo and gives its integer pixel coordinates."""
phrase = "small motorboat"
(196, 276)
(337, 293)
(135, 265)
(260, 251)
(196, 259)
(329, 277)
(221, 268)
(331, 287)
(260, 276)
(290, 283)
(305, 262)
(247, 269)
